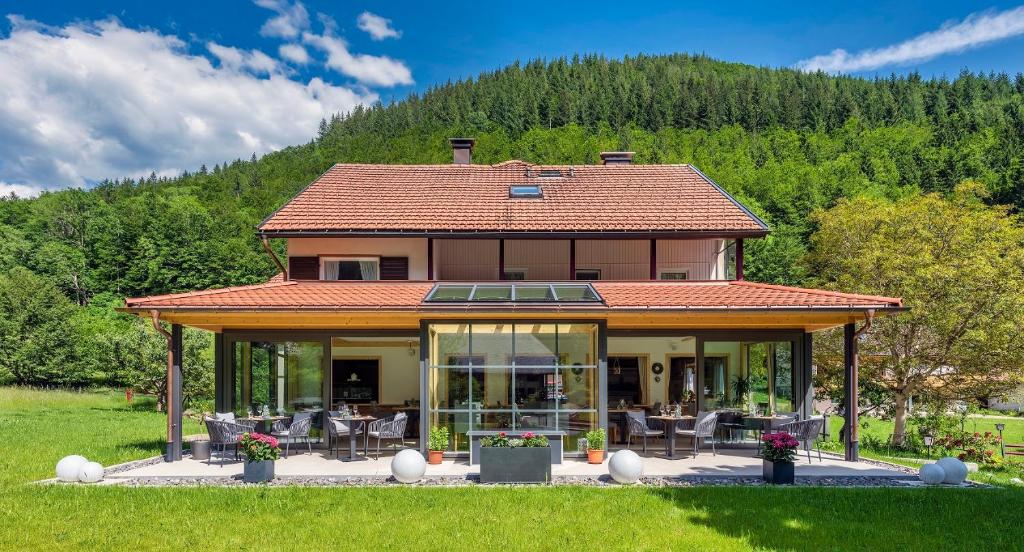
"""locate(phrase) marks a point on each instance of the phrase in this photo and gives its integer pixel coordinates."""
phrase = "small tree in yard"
(958, 264)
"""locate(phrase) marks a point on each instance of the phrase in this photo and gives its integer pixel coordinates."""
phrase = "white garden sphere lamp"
(626, 467)
(91, 472)
(956, 471)
(408, 466)
(932, 474)
(69, 466)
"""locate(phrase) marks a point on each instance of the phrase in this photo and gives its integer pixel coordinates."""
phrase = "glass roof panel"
(532, 292)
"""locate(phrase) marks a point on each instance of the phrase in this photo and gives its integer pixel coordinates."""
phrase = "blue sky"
(200, 82)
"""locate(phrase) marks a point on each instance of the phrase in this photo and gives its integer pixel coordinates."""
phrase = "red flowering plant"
(780, 447)
(258, 447)
(529, 439)
(976, 446)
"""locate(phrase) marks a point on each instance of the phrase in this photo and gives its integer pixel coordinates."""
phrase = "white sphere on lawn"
(69, 466)
(956, 471)
(932, 474)
(626, 467)
(408, 466)
(91, 472)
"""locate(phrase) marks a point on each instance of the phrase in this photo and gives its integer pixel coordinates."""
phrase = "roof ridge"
(824, 292)
(203, 292)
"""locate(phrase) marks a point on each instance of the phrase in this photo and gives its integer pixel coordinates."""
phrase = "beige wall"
(400, 379)
(413, 248)
(477, 260)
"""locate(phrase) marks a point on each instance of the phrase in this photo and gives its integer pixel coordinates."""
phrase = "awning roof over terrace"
(400, 304)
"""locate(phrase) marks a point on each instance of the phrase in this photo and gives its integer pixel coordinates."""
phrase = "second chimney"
(462, 150)
(616, 158)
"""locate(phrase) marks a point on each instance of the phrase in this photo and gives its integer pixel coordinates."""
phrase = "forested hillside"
(786, 143)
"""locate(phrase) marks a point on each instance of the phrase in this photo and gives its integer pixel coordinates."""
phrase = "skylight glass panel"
(525, 190)
(450, 293)
(573, 292)
(492, 293)
(532, 292)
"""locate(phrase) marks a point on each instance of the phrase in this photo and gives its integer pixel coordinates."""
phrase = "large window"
(749, 375)
(512, 376)
(350, 268)
(286, 377)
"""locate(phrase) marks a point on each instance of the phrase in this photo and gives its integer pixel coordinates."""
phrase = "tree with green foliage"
(958, 264)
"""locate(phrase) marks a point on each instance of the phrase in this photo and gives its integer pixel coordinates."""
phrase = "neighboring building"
(510, 296)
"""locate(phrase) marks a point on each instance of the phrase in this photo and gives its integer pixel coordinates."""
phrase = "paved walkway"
(728, 463)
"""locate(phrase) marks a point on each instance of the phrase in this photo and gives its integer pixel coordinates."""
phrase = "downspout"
(280, 266)
(170, 372)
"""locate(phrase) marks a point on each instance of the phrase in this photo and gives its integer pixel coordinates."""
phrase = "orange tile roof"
(399, 295)
(360, 198)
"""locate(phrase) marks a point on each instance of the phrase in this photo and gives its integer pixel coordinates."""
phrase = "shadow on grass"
(155, 446)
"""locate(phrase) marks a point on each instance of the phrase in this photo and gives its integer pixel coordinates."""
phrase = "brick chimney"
(462, 150)
(616, 158)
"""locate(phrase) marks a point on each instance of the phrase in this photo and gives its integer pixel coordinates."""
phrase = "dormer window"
(525, 190)
(550, 173)
(350, 268)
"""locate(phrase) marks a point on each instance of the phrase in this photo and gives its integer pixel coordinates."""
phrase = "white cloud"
(975, 30)
(90, 101)
(378, 27)
(20, 190)
(294, 53)
(291, 19)
(367, 69)
(237, 60)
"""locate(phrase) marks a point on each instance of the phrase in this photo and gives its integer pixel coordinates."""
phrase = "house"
(512, 296)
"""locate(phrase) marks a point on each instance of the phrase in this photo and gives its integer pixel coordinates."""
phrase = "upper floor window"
(675, 275)
(588, 274)
(350, 268)
(515, 274)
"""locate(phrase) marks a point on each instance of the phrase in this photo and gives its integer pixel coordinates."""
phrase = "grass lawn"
(37, 428)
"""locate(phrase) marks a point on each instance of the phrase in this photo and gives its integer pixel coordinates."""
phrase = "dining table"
(670, 422)
(265, 423)
(764, 423)
(353, 423)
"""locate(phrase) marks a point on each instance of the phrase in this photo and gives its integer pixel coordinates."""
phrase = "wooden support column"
(174, 395)
(572, 259)
(654, 259)
(850, 395)
(430, 258)
(221, 383)
(501, 259)
(739, 259)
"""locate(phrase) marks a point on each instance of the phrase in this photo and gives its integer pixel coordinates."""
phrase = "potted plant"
(260, 453)
(779, 452)
(437, 444)
(595, 446)
(517, 460)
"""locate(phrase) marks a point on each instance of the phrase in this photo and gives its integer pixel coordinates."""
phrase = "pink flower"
(528, 435)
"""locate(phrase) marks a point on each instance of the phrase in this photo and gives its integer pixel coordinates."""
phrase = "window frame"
(684, 273)
(576, 275)
(350, 258)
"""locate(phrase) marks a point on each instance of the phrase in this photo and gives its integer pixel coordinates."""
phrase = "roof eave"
(522, 234)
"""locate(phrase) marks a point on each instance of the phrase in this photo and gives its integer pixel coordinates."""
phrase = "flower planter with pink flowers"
(260, 453)
(779, 453)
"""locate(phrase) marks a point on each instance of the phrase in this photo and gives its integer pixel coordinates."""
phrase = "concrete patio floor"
(732, 462)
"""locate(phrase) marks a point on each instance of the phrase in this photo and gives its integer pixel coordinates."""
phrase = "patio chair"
(806, 432)
(224, 434)
(729, 422)
(637, 427)
(704, 428)
(298, 429)
(336, 430)
(392, 429)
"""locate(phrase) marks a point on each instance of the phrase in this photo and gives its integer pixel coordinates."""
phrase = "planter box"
(779, 473)
(515, 465)
(200, 449)
(258, 472)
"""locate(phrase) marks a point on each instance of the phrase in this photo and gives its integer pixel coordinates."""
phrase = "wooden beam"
(850, 395)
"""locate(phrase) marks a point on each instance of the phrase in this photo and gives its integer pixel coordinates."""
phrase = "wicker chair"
(704, 428)
(636, 426)
(225, 434)
(806, 432)
(336, 430)
(298, 429)
(392, 429)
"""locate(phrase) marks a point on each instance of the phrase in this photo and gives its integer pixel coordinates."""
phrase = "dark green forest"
(786, 143)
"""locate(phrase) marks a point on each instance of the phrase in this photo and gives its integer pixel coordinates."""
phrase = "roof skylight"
(526, 292)
(525, 190)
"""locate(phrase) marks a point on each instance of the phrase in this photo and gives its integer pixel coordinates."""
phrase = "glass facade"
(284, 376)
(753, 376)
(513, 376)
